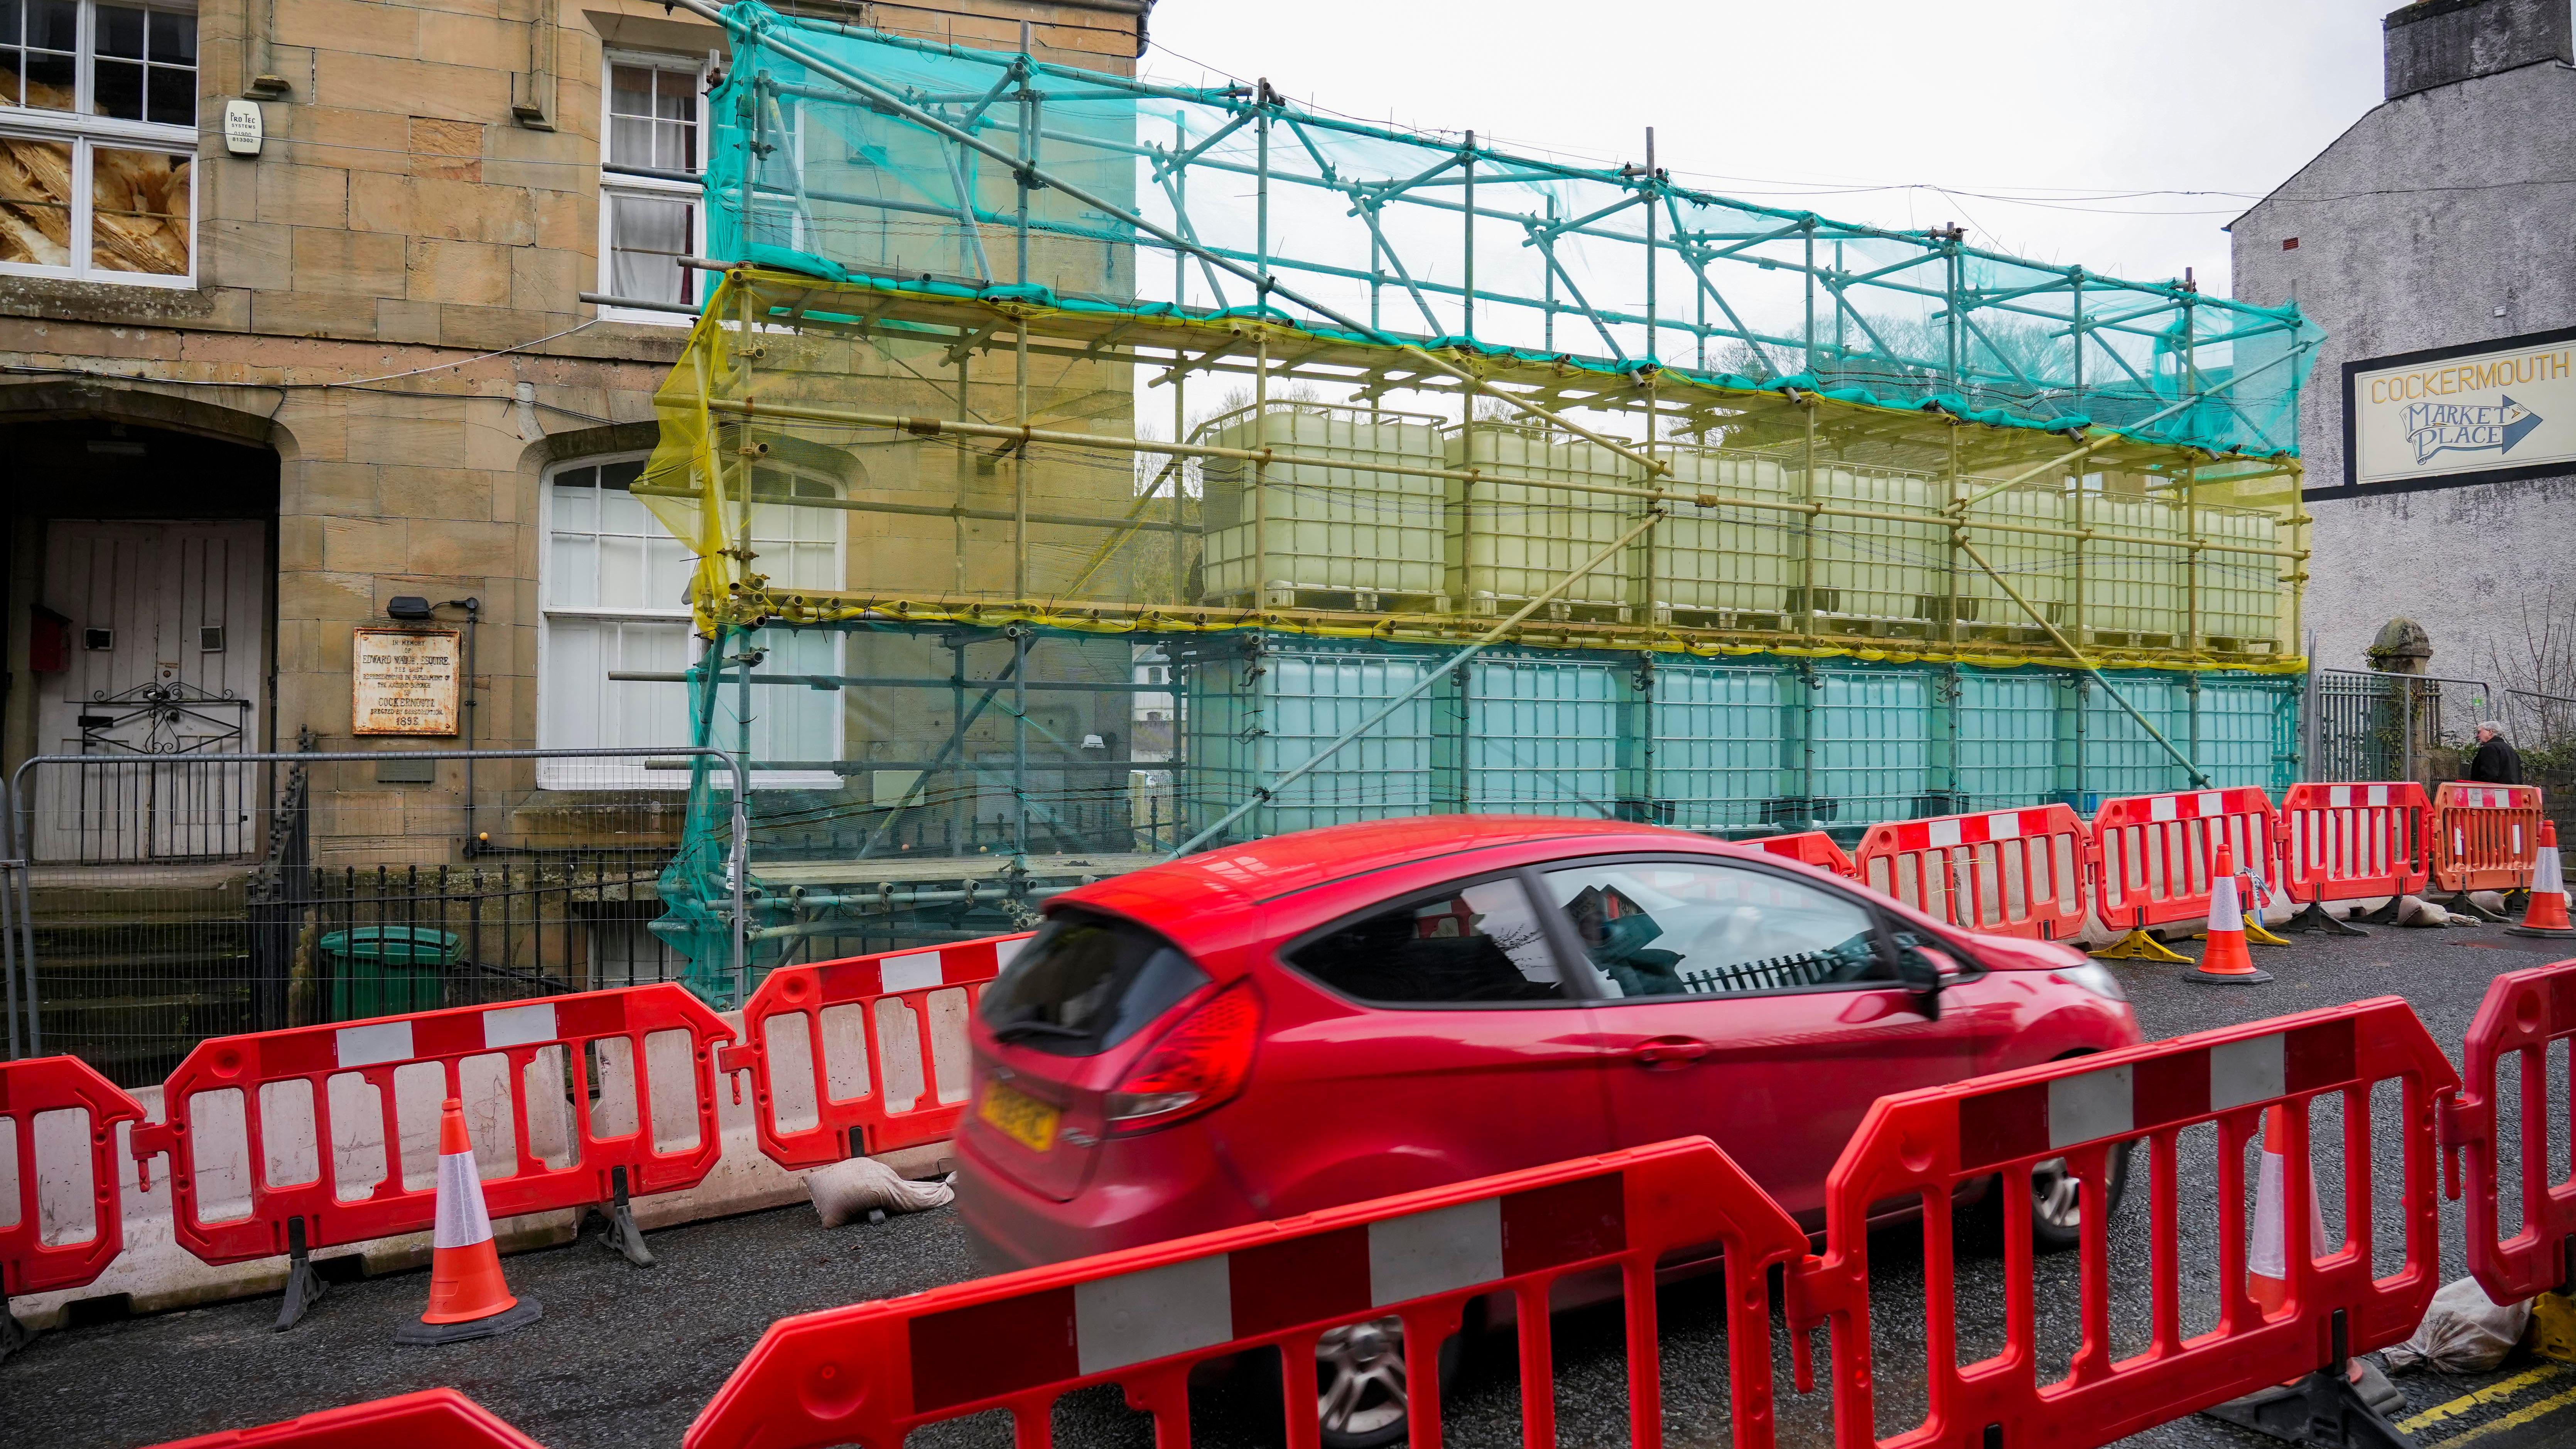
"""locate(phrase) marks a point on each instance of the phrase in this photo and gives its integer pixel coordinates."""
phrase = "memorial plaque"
(403, 681)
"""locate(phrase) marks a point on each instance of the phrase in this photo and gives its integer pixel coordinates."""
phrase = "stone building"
(292, 328)
(2435, 243)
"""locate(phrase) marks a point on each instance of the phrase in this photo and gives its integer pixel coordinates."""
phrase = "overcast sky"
(1858, 109)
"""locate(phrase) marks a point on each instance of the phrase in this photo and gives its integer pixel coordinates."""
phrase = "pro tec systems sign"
(2485, 413)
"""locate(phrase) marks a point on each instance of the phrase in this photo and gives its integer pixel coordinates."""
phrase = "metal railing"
(135, 970)
(2373, 726)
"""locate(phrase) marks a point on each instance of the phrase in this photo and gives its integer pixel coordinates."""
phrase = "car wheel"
(2056, 1202)
(1360, 1397)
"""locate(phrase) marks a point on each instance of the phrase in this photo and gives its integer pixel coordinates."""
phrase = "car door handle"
(1668, 1052)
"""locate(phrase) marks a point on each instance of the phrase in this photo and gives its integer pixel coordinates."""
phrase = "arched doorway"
(141, 582)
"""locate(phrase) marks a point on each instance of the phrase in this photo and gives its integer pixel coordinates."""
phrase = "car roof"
(1201, 894)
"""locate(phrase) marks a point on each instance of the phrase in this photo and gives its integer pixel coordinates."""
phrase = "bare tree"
(2535, 665)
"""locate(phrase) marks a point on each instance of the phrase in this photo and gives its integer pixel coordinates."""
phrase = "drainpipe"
(473, 608)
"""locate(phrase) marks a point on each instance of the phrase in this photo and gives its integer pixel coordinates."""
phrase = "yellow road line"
(2502, 1389)
(2514, 1420)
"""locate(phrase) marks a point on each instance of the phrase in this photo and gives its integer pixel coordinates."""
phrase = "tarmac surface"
(625, 1357)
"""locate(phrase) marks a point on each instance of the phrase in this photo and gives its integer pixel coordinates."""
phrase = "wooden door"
(168, 669)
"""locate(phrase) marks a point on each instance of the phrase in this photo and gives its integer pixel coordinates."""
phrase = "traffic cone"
(467, 1298)
(2547, 915)
(2226, 963)
(2267, 1266)
(2285, 1410)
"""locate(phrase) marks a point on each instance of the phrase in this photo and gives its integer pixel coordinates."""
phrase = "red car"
(1340, 1014)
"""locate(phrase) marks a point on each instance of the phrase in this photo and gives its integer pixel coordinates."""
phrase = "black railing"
(134, 979)
(381, 941)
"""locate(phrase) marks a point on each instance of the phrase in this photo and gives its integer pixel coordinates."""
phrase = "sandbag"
(2464, 1332)
(847, 1192)
(2417, 911)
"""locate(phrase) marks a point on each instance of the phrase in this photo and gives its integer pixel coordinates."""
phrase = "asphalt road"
(626, 1356)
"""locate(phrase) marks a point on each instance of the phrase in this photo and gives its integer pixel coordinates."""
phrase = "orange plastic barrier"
(2012, 872)
(1810, 847)
(823, 1044)
(2485, 837)
(2524, 1014)
(2351, 842)
(37, 1087)
(1144, 1318)
(1926, 1146)
(430, 1419)
(344, 1089)
(2153, 852)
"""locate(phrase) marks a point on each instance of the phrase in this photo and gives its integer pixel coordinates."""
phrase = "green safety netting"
(1741, 746)
(878, 160)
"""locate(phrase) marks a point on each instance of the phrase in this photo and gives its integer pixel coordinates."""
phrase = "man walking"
(2495, 763)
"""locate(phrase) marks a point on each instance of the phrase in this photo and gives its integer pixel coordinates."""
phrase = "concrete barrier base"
(155, 1274)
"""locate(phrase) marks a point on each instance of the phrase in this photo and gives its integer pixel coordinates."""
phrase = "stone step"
(120, 946)
(137, 892)
(129, 1061)
(170, 928)
(56, 928)
(136, 1041)
(135, 1012)
(58, 982)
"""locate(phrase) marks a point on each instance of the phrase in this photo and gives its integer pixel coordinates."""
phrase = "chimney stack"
(2437, 42)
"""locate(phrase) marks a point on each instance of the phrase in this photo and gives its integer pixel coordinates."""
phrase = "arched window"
(615, 588)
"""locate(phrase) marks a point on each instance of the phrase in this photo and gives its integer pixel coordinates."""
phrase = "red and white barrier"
(430, 1419)
(2011, 872)
(2485, 837)
(2288, 1301)
(864, 1055)
(1810, 847)
(2368, 840)
(1929, 1146)
(1144, 1318)
(331, 1131)
(2154, 855)
(58, 1126)
(2524, 1016)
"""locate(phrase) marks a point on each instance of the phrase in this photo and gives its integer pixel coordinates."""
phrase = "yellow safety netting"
(919, 455)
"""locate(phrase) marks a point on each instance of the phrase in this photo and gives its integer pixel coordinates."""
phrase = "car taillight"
(1196, 1065)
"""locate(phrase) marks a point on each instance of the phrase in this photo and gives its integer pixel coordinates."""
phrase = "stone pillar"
(2411, 711)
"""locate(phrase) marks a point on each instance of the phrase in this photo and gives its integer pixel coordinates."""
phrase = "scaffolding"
(1078, 468)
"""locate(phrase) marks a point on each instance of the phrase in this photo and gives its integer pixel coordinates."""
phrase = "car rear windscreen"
(1085, 984)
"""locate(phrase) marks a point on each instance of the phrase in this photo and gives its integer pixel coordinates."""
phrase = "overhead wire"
(2054, 198)
(357, 384)
(1794, 186)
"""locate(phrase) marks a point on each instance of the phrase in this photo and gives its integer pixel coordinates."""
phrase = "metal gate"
(2372, 726)
(2361, 724)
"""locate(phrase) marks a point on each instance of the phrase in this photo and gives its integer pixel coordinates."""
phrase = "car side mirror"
(1919, 973)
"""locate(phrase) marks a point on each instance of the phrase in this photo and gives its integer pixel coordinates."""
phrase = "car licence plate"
(1017, 1115)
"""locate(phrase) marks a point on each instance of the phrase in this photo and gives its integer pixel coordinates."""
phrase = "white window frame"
(626, 774)
(650, 187)
(86, 134)
(794, 145)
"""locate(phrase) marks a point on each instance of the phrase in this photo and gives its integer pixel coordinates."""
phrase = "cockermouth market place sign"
(2484, 413)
